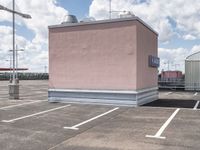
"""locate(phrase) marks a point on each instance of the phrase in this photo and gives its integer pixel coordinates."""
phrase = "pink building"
(171, 75)
(106, 62)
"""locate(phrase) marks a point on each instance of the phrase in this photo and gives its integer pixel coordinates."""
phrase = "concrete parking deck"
(32, 123)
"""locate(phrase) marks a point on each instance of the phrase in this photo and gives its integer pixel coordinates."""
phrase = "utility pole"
(14, 85)
(110, 9)
(175, 65)
(168, 63)
(17, 60)
(45, 69)
(13, 14)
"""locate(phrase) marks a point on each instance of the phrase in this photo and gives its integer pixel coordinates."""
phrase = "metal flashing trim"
(103, 91)
(93, 101)
(104, 21)
(104, 97)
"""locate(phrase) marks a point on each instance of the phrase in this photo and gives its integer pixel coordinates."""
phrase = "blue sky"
(78, 7)
(177, 23)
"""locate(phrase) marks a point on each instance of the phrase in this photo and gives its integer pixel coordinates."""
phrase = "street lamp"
(17, 50)
(14, 87)
(10, 63)
(168, 63)
(17, 61)
(15, 12)
(45, 69)
(110, 9)
(9, 67)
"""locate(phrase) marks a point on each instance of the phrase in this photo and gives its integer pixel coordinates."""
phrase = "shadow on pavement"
(172, 103)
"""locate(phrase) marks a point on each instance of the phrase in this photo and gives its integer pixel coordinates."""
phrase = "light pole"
(168, 63)
(110, 9)
(17, 61)
(16, 51)
(10, 67)
(175, 65)
(14, 87)
(45, 69)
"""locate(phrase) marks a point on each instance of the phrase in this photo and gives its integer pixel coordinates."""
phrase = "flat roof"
(103, 21)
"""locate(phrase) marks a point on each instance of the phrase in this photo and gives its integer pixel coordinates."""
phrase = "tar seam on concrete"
(196, 105)
(75, 127)
(160, 131)
(12, 106)
(35, 114)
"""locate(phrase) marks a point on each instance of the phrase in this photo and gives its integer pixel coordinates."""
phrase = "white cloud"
(189, 37)
(43, 13)
(185, 14)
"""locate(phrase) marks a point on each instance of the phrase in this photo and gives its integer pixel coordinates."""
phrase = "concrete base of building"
(104, 97)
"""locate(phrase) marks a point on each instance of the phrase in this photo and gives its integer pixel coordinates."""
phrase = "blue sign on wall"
(154, 61)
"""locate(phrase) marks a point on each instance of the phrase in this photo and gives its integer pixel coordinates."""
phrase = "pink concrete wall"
(100, 56)
(147, 77)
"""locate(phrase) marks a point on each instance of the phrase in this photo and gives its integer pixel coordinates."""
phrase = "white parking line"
(196, 105)
(12, 106)
(75, 127)
(160, 131)
(195, 94)
(39, 113)
(168, 93)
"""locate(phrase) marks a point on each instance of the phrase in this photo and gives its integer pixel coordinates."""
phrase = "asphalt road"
(32, 123)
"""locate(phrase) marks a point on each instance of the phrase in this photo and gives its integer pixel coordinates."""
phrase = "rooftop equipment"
(126, 14)
(70, 19)
(88, 19)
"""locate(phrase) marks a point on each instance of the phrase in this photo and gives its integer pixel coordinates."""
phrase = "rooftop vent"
(89, 19)
(70, 19)
(126, 14)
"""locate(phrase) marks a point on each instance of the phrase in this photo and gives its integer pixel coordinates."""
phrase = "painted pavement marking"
(195, 94)
(28, 103)
(75, 127)
(196, 105)
(160, 131)
(169, 93)
(35, 114)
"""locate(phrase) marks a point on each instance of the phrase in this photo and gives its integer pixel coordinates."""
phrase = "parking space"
(184, 130)
(32, 123)
(48, 125)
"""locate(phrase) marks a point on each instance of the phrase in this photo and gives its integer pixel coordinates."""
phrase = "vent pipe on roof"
(126, 14)
(88, 19)
(70, 19)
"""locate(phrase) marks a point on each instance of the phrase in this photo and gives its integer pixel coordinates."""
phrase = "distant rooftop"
(104, 21)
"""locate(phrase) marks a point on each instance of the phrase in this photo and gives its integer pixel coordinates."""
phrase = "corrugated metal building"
(192, 72)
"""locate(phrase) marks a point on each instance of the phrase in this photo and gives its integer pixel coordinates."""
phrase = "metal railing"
(26, 76)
